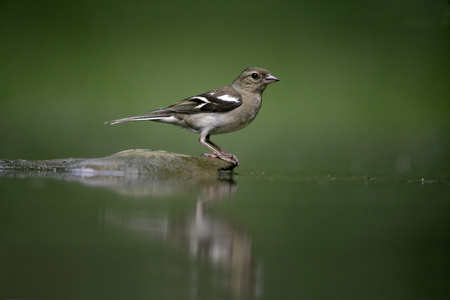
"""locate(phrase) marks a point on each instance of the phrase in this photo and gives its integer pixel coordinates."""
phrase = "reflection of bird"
(221, 110)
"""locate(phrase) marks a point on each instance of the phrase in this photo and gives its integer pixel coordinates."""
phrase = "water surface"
(259, 236)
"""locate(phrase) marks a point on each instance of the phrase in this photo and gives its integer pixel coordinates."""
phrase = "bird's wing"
(218, 100)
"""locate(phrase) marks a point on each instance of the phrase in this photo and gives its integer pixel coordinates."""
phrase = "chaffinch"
(222, 110)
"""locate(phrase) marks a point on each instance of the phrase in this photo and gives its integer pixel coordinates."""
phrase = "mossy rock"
(135, 162)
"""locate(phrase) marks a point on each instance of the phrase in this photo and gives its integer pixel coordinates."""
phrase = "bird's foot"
(231, 156)
(232, 159)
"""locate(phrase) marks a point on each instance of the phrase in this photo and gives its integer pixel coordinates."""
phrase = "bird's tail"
(137, 118)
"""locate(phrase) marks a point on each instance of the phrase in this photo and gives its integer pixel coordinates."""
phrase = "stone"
(134, 163)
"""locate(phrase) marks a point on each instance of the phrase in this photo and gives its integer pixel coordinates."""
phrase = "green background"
(364, 85)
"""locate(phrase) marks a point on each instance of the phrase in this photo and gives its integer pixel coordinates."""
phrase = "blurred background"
(364, 85)
(314, 214)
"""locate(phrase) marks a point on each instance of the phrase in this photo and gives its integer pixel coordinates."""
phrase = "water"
(259, 236)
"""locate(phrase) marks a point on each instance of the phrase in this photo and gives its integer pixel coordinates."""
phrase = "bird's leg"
(221, 150)
(223, 155)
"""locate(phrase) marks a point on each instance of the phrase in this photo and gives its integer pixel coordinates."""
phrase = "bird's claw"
(232, 159)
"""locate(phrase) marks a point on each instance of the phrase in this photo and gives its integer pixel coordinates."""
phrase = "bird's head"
(254, 80)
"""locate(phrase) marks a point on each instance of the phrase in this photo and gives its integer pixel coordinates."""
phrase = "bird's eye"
(255, 75)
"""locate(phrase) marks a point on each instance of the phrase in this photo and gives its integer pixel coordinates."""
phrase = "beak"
(270, 79)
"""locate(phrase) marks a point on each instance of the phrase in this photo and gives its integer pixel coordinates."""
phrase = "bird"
(222, 110)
